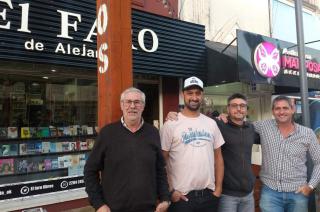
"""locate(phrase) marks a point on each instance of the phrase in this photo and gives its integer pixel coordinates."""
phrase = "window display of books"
(74, 163)
(45, 147)
(36, 150)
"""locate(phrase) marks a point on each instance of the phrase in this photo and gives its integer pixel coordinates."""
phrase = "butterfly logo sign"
(267, 60)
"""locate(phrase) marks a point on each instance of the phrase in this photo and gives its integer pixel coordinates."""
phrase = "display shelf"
(46, 138)
(46, 154)
(34, 172)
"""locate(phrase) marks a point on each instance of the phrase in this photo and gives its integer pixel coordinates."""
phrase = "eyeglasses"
(136, 103)
(236, 106)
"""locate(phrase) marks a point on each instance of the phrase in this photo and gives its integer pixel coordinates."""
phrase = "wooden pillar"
(114, 63)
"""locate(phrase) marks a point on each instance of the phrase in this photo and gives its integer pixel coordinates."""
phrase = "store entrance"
(151, 110)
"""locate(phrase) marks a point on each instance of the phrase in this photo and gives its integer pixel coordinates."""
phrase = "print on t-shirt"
(196, 138)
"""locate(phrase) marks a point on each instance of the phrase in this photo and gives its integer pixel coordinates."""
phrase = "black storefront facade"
(261, 60)
(263, 67)
(260, 67)
(272, 62)
(48, 91)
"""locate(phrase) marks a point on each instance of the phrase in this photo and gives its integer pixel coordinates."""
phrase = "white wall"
(223, 17)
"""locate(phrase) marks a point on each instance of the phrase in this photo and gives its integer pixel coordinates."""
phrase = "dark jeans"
(199, 201)
(151, 210)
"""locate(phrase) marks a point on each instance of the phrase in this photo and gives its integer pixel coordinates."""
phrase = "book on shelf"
(78, 143)
(41, 165)
(44, 132)
(8, 149)
(60, 131)
(90, 143)
(45, 147)
(25, 132)
(34, 132)
(73, 146)
(58, 146)
(12, 132)
(82, 159)
(53, 131)
(31, 148)
(6, 166)
(21, 166)
(75, 160)
(53, 147)
(38, 147)
(73, 130)
(66, 131)
(23, 149)
(39, 132)
(32, 166)
(47, 164)
(67, 161)
(3, 132)
(84, 130)
(79, 129)
(61, 162)
(83, 145)
(65, 146)
(54, 163)
(90, 130)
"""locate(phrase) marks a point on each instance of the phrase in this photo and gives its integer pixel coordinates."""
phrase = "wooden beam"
(114, 63)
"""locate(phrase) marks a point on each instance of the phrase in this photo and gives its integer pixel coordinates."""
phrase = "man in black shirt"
(128, 155)
(238, 181)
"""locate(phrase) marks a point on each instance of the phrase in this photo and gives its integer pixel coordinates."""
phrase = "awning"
(221, 63)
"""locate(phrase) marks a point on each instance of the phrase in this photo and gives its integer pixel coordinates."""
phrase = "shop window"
(47, 128)
(213, 106)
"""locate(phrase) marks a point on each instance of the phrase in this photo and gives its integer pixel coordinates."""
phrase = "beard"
(194, 106)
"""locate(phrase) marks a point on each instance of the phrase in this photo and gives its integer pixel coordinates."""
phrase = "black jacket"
(132, 169)
(238, 175)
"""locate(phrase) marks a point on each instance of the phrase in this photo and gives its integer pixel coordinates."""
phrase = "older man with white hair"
(128, 155)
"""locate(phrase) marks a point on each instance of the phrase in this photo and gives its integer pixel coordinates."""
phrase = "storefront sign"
(266, 60)
(64, 33)
(69, 21)
(102, 46)
(40, 187)
(290, 62)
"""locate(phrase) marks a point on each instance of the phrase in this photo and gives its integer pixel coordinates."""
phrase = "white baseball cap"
(192, 81)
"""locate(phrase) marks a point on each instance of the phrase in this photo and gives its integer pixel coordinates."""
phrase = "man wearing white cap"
(192, 149)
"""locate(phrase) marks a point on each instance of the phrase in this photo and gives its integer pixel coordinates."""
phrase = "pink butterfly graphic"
(267, 64)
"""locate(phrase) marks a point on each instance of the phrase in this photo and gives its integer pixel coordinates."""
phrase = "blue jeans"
(274, 201)
(236, 204)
